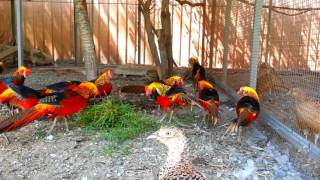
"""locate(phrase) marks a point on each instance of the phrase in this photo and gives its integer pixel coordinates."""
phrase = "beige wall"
(49, 26)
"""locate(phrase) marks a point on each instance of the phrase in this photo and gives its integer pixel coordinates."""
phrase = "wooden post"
(226, 40)
(255, 43)
(180, 44)
(139, 33)
(190, 32)
(13, 23)
(213, 24)
(75, 36)
(203, 33)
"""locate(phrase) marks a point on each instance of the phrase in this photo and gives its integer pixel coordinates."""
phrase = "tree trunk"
(163, 57)
(145, 7)
(86, 39)
(166, 38)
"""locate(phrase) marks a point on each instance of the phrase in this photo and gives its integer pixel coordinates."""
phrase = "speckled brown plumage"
(177, 165)
(181, 171)
(307, 110)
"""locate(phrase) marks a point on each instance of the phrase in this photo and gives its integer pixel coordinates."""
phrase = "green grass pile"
(116, 122)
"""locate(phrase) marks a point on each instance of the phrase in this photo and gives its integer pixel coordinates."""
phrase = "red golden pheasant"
(174, 80)
(209, 100)
(17, 78)
(102, 82)
(248, 109)
(198, 72)
(166, 97)
(58, 105)
(140, 89)
(23, 97)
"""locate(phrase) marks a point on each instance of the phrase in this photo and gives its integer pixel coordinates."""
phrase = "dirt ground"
(79, 155)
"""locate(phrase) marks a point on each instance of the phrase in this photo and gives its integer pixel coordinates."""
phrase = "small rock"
(50, 137)
(53, 155)
(84, 178)
(147, 149)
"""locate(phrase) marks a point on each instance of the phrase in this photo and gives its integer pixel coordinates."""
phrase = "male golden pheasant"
(17, 78)
(102, 82)
(209, 100)
(248, 109)
(166, 96)
(198, 72)
(58, 105)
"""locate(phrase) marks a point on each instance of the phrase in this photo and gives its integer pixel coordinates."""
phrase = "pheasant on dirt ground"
(177, 165)
(247, 109)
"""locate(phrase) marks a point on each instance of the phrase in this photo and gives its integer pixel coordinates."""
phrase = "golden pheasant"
(209, 100)
(58, 105)
(248, 109)
(177, 165)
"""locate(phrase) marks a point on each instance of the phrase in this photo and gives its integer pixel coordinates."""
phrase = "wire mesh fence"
(289, 81)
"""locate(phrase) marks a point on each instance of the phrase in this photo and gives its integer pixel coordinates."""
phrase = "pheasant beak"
(154, 135)
(148, 91)
(109, 72)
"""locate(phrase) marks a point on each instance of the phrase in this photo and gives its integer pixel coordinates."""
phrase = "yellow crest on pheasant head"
(203, 84)
(174, 80)
(23, 71)
(104, 78)
(248, 91)
(192, 60)
(159, 87)
(87, 89)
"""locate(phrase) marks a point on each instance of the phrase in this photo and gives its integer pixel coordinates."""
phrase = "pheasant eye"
(168, 133)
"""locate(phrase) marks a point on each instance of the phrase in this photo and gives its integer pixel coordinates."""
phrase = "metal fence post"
(19, 32)
(255, 43)
(226, 40)
(203, 33)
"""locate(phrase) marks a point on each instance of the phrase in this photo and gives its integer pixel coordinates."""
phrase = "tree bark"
(86, 39)
(145, 7)
(166, 38)
(163, 56)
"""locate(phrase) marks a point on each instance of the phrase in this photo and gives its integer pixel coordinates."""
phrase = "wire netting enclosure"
(224, 34)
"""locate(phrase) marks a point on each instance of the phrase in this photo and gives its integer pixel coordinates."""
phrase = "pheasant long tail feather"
(22, 119)
(191, 101)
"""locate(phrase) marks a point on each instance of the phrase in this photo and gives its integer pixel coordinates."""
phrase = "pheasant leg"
(6, 139)
(52, 126)
(171, 114)
(316, 137)
(66, 123)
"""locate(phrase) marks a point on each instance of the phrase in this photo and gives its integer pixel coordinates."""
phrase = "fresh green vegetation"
(116, 122)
